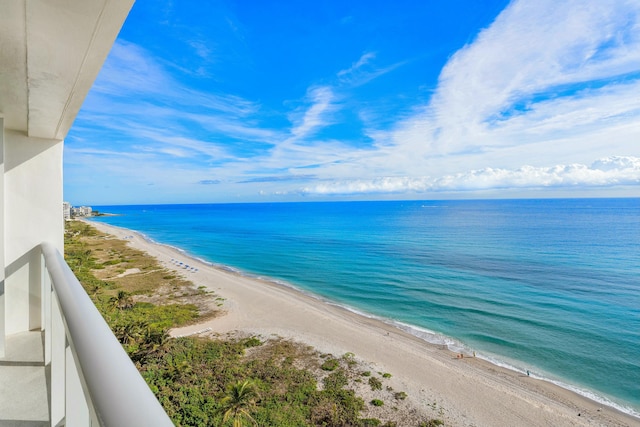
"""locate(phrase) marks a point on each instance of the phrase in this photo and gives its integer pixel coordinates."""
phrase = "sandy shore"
(467, 391)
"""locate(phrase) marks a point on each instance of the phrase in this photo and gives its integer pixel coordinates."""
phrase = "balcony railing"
(92, 380)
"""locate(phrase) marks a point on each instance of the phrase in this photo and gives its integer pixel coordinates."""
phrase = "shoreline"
(470, 391)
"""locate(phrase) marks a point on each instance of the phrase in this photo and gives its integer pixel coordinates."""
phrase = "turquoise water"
(550, 286)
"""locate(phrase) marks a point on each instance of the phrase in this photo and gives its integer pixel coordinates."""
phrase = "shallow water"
(550, 286)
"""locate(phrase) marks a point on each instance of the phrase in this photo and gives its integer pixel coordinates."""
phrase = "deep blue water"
(552, 286)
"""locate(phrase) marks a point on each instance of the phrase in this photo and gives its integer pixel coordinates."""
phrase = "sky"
(267, 101)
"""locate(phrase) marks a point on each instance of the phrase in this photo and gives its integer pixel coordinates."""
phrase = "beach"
(468, 391)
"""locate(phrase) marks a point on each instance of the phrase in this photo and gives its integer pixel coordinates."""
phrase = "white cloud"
(201, 48)
(364, 59)
(606, 172)
(138, 104)
(543, 71)
(130, 70)
(135, 76)
(535, 47)
(363, 71)
(315, 116)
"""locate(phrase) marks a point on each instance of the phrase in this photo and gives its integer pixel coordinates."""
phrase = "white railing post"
(76, 410)
(57, 367)
(45, 292)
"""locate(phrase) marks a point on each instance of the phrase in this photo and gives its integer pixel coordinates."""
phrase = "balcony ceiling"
(50, 54)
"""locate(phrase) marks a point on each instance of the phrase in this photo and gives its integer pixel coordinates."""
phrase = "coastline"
(470, 391)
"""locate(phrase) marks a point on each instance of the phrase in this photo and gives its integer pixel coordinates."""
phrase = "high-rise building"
(66, 210)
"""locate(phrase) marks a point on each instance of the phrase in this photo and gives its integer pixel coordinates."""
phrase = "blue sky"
(250, 101)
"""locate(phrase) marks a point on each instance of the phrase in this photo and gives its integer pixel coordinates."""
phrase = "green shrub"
(350, 359)
(335, 408)
(377, 402)
(330, 365)
(401, 395)
(335, 380)
(386, 375)
(370, 422)
(366, 374)
(252, 342)
(375, 383)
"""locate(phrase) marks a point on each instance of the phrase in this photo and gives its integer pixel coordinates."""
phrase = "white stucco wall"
(2, 244)
(32, 214)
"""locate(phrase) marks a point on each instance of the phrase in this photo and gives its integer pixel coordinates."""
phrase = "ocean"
(550, 286)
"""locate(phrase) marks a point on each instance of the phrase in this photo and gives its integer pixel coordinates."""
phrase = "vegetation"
(375, 383)
(238, 403)
(330, 365)
(235, 381)
(401, 395)
(432, 423)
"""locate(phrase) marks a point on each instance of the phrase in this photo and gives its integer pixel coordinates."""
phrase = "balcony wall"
(59, 362)
(32, 195)
(50, 53)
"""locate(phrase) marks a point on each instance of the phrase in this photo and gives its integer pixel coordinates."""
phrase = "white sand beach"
(469, 391)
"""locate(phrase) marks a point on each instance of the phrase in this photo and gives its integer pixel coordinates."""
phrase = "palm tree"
(238, 402)
(93, 289)
(121, 301)
(131, 332)
(152, 340)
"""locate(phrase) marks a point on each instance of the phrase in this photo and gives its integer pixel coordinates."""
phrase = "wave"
(457, 346)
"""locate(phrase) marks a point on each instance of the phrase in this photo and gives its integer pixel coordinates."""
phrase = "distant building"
(66, 211)
(80, 211)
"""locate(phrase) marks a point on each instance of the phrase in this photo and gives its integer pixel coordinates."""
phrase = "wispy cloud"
(136, 99)
(201, 48)
(364, 59)
(323, 107)
(134, 74)
(364, 71)
(314, 116)
(130, 70)
(541, 70)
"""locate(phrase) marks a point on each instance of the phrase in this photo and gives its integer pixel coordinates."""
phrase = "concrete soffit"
(51, 51)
